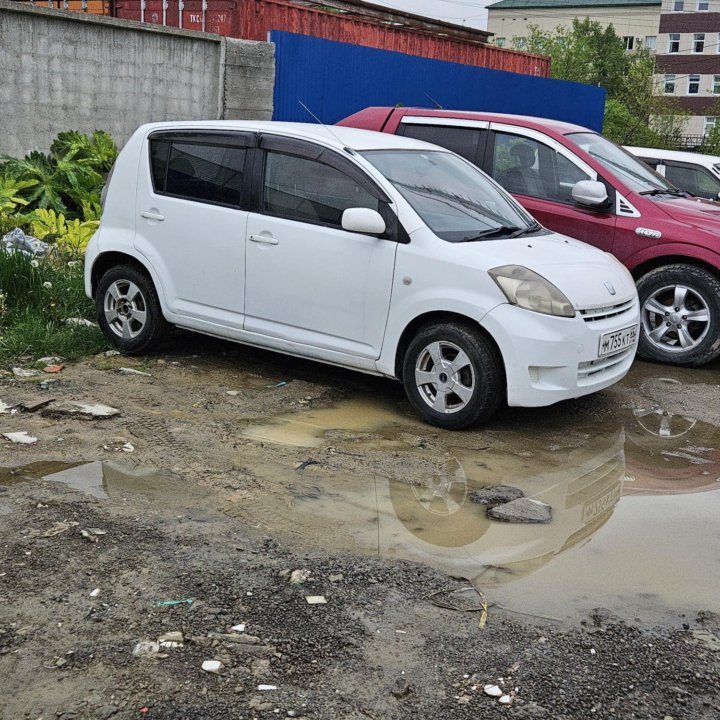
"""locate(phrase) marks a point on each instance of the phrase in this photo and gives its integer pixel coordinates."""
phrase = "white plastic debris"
(95, 592)
(232, 393)
(78, 322)
(19, 372)
(20, 437)
(212, 666)
(128, 447)
(17, 241)
(267, 687)
(315, 600)
(239, 628)
(132, 371)
(505, 700)
(111, 353)
(492, 691)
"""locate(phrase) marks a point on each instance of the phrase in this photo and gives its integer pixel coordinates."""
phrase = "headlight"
(527, 289)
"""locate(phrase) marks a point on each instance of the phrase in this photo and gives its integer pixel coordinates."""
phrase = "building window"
(698, 42)
(678, 5)
(650, 42)
(500, 42)
(710, 123)
(674, 42)
(703, 5)
(693, 84)
(629, 42)
(716, 85)
(669, 88)
(520, 43)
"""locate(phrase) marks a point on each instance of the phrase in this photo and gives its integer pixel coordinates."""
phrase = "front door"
(541, 176)
(308, 281)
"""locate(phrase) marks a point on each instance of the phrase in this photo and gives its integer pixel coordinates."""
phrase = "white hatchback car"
(375, 252)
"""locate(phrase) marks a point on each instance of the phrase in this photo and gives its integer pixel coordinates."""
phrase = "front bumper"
(549, 359)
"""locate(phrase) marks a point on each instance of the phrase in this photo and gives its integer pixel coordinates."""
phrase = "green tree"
(585, 52)
(640, 114)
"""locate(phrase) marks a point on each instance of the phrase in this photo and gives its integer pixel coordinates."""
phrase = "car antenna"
(347, 149)
(438, 106)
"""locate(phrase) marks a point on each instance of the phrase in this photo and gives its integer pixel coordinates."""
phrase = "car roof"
(537, 123)
(679, 155)
(333, 136)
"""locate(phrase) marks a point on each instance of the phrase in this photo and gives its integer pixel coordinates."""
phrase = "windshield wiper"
(659, 191)
(503, 230)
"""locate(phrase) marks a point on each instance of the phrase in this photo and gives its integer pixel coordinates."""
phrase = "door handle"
(267, 239)
(152, 215)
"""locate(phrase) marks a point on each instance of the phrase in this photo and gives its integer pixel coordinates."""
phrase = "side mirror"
(363, 220)
(590, 192)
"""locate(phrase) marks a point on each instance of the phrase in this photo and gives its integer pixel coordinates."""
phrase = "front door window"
(525, 166)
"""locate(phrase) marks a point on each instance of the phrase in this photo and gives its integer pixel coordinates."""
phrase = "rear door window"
(461, 140)
(204, 169)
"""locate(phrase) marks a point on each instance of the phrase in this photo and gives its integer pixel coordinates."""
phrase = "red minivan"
(577, 182)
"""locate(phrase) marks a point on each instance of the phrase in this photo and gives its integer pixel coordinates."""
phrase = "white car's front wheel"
(453, 375)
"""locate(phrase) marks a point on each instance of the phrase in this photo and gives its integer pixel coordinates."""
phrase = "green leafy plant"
(10, 192)
(69, 178)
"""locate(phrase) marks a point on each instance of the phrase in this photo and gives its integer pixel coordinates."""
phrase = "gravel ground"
(384, 645)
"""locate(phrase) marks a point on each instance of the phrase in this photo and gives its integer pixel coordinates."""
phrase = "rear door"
(541, 173)
(191, 226)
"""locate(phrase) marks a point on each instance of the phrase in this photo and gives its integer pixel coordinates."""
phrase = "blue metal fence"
(336, 79)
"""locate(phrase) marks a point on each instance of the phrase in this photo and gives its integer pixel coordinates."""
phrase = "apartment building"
(635, 21)
(688, 61)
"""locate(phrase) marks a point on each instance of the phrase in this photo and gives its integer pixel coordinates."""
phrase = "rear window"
(203, 172)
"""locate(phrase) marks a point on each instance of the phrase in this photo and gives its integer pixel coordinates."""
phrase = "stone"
(401, 688)
(495, 495)
(522, 510)
(212, 666)
(20, 437)
(92, 411)
(146, 649)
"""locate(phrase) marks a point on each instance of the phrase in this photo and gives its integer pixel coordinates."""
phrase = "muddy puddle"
(111, 480)
(635, 501)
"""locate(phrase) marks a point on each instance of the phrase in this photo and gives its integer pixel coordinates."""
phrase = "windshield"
(634, 173)
(456, 201)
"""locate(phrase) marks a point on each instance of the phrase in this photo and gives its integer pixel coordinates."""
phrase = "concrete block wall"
(249, 80)
(71, 71)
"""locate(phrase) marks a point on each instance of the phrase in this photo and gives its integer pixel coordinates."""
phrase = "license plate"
(613, 342)
(595, 508)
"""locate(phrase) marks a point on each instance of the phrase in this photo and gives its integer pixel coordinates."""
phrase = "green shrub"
(36, 297)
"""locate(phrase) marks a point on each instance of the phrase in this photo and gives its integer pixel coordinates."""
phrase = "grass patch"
(36, 297)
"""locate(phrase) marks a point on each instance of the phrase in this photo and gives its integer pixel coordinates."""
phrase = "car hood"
(580, 271)
(698, 212)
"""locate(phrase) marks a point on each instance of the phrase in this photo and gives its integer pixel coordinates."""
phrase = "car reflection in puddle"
(656, 556)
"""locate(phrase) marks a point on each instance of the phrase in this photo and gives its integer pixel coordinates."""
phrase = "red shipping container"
(349, 21)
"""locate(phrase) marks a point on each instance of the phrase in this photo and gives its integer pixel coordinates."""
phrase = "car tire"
(129, 311)
(679, 315)
(453, 375)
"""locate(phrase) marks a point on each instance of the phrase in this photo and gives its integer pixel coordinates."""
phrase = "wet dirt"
(235, 479)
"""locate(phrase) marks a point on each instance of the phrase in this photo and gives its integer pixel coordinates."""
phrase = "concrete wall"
(68, 70)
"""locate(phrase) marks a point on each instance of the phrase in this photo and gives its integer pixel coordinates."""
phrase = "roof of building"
(553, 4)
